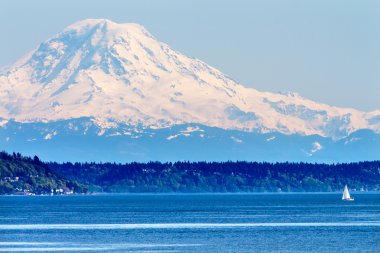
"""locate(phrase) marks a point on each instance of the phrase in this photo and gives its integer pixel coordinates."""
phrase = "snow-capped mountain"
(100, 69)
(121, 79)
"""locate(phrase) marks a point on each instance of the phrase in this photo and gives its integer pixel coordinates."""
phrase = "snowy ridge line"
(120, 73)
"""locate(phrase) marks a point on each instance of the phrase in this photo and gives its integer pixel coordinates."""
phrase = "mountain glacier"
(124, 82)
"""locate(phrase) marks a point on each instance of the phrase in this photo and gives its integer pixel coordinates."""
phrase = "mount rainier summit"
(101, 91)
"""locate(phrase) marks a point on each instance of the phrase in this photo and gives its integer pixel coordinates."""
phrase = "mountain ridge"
(108, 63)
(120, 82)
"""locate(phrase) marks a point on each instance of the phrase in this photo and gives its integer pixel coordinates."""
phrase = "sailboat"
(346, 195)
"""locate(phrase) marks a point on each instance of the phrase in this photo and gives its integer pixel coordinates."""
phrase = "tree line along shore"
(23, 175)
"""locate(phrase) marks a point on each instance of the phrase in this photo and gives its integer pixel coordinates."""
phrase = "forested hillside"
(222, 177)
(27, 176)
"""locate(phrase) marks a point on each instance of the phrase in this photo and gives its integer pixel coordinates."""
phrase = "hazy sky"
(325, 50)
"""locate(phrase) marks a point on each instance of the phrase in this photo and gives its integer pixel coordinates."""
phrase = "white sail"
(346, 194)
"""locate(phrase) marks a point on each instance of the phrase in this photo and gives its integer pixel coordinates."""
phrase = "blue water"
(190, 223)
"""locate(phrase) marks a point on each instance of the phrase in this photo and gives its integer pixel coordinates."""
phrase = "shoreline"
(190, 193)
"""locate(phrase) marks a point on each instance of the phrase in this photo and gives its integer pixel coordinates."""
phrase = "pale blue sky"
(325, 50)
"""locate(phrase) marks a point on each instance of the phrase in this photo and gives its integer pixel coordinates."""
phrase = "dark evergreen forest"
(222, 176)
(25, 175)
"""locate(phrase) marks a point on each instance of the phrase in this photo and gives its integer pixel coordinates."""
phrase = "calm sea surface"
(190, 223)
